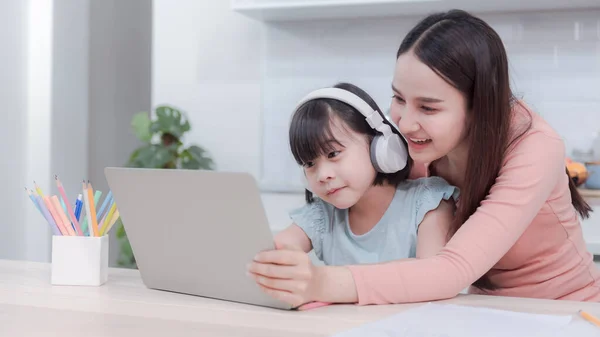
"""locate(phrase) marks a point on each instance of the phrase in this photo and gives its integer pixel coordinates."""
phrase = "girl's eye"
(398, 99)
(308, 164)
(333, 154)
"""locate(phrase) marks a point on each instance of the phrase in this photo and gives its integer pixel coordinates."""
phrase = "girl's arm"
(432, 234)
(293, 237)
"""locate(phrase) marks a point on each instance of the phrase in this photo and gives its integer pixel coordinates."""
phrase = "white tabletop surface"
(31, 306)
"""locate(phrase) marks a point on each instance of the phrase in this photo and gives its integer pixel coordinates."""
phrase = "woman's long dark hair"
(468, 54)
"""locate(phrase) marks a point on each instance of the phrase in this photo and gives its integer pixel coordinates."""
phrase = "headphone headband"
(373, 117)
(388, 153)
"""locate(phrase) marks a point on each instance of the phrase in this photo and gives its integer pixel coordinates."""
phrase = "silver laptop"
(194, 232)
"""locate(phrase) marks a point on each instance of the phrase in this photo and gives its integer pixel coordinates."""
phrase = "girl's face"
(429, 111)
(345, 174)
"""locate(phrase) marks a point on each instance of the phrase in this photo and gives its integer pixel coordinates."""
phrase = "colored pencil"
(69, 209)
(78, 204)
(55, 216)
(107, 219)
(106, 202)
(86, 201)
(96, 199)
(38, 189)
(63, 217)
(92, 221)
(47, 215)
(32, 197)
(114, 219)
(590, 318)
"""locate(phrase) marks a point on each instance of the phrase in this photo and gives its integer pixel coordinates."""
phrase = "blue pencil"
(32, 197)
(78, 205)
(104, 204)
(47, 215)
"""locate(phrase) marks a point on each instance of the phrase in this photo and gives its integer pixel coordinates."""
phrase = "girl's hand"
(286, 274)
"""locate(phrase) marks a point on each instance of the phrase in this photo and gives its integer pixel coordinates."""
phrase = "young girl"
(355, 214)
(517, 230)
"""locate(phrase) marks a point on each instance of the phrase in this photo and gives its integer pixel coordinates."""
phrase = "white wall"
(554, 61)
(208, 61)
(13, 70)
(225, 70)
(44, 72)
(56, 130)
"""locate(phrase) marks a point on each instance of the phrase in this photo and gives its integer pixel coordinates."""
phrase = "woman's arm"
(530, 172)
(432, 234)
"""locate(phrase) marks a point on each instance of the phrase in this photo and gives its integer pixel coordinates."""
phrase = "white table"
(30, 306)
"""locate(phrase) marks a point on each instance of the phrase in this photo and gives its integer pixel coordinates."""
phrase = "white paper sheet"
(444, 320)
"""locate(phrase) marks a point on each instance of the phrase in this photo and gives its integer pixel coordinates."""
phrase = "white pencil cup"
(79, 260)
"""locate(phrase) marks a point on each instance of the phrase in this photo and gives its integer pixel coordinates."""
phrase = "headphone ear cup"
(388, 155)
(374, 154)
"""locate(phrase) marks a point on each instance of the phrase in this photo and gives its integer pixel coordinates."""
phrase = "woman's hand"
(286, 274)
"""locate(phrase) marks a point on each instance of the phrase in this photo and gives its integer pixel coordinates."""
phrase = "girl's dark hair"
(311, 135)
(468, 54)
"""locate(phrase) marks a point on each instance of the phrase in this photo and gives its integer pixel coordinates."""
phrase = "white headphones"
(388, 153)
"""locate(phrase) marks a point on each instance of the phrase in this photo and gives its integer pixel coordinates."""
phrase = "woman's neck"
(453, 166)
(371, 207)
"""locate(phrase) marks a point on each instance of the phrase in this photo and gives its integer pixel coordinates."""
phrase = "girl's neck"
(371, 207)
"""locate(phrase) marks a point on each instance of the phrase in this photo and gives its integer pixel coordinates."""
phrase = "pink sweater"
(526, 234)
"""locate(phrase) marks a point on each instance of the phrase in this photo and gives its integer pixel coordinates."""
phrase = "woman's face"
(429, 112)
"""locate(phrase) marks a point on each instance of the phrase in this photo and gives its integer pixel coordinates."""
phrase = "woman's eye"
(308, 164)
(428, 109)
(398, 99)
(333, 154)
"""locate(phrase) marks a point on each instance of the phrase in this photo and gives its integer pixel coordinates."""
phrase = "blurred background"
(76, 73)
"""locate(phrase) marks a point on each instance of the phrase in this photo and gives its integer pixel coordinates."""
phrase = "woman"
(516, 232)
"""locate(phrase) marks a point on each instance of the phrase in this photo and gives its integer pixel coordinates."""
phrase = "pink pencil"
(55, 216)
(61, 190)
(65, 220)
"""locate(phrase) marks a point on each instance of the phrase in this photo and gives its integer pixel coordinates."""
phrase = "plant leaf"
(141, 126)
(196, 158)
(170, 120)
(153, 156)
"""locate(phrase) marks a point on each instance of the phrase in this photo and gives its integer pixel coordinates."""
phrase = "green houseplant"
(161, 134)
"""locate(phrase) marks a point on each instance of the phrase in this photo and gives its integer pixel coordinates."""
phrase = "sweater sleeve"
(530, 171)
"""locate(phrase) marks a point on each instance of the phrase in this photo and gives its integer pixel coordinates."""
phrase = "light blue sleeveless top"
(393, 237)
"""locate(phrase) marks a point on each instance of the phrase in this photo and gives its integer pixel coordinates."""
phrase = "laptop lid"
(194, 231)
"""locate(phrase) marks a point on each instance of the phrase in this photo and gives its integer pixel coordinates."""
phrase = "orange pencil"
(590, 318)
(94, 221)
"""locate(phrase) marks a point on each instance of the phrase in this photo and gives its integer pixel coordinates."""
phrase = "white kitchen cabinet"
(283, 10)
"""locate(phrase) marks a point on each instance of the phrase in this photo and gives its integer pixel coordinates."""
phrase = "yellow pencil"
(94, 221)
(38, 190)
(113, 220)
(590, 318)
(107, 219)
